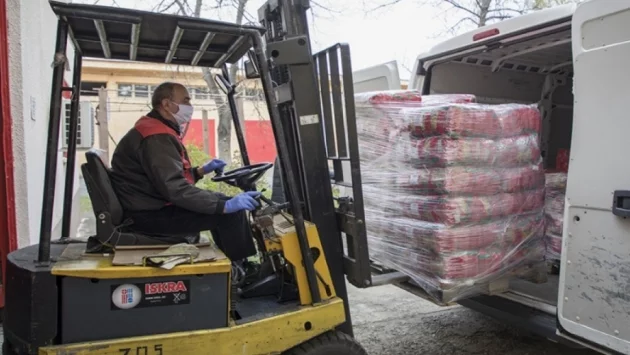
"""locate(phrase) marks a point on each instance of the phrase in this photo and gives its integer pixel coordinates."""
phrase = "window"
(125, 90)
(135, 90)
(253, 93)
(201, 93)
(90, 88)
(141, 90)
(85, 123)
(67, 126)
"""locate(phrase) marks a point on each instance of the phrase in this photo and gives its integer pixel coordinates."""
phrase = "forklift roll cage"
(313, 119)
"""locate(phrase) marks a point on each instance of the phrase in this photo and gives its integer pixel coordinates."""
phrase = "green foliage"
(198, 157)
(85, 204)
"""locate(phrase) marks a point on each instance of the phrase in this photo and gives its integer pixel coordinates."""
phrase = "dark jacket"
(151, 169)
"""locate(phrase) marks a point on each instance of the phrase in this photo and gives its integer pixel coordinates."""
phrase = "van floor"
(546, 292)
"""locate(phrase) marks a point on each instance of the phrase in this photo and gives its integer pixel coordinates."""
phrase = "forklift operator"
(153, 178)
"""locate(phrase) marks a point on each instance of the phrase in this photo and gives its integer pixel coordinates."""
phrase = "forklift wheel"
(331, 343)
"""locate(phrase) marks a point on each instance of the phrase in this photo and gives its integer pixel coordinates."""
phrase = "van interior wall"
(507, 86)
(502, 86)
(561, 123)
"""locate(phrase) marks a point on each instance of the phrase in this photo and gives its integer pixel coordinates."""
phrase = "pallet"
(448, 295)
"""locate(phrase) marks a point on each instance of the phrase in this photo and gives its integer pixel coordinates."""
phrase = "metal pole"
(72, 145)
(285, 162)
(206, 131)
(240, 135)
(52, 146)
(103, 125)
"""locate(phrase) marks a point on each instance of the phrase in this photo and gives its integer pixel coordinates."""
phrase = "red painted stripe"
(8, 234)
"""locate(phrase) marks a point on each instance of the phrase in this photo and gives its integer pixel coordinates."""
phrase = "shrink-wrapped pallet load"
(454, 190)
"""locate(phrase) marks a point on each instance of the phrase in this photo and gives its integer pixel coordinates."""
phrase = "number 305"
(143, 350)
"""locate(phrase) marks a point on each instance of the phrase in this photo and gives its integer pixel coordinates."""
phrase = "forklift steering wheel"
(244, 177)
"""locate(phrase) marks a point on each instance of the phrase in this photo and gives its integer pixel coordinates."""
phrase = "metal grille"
(66, 125)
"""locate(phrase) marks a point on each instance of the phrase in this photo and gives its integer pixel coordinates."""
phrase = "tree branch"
(498, 17)
(164, 9)
(506, 10)
(197, 12)
(326, 8)
(382, 6)
(454, 28)
(181, 7)
(456, 5)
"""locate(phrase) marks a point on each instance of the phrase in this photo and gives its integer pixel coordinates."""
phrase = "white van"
(574, 61)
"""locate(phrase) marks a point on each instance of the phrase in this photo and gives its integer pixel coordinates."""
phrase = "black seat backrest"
(99, 186)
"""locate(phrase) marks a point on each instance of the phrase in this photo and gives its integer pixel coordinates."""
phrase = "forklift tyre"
(331, 343)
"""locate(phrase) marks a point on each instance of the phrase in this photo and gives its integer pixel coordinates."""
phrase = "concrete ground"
(390, 321)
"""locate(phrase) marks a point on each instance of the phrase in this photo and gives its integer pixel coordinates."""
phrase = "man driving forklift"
(155, 183)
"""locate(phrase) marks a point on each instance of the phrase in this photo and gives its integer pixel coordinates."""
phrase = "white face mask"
(184, 115)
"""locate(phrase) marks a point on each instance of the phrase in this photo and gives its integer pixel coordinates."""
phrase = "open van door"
(594, 295)
(380, 77)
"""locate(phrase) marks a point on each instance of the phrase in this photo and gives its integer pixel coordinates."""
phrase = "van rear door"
(594, 297)
(380, 77)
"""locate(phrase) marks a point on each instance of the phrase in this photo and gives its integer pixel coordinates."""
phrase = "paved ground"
(391, 321)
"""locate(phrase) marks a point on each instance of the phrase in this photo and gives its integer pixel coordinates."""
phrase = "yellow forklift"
(67, 296)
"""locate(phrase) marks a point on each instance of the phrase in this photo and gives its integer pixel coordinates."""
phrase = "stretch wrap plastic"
(454, 190)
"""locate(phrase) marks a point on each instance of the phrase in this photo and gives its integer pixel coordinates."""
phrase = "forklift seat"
(112, 229)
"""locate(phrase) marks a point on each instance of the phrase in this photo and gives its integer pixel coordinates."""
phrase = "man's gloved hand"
(244, 201)
(212, 165)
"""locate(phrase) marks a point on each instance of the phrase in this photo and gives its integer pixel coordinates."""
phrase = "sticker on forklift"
(309, 119)
(150, 294)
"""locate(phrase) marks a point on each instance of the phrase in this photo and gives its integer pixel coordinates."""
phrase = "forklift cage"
(131, 35)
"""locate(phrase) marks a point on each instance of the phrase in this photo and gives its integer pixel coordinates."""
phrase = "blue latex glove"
(212, 165)
(244, 201)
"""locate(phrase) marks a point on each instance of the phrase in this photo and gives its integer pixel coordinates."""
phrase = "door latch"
(621, 203)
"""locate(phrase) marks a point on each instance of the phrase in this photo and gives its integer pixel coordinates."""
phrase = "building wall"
(32, 32)
(125, 110)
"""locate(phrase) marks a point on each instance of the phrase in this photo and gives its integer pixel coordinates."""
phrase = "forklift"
(66, 296)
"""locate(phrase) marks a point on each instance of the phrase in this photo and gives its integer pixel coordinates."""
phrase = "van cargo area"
(532, 68)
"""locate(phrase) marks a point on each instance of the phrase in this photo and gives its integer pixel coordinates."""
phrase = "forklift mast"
(319, 133)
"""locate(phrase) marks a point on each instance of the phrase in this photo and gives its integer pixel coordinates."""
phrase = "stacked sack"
(555, 191)
(454, 190)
